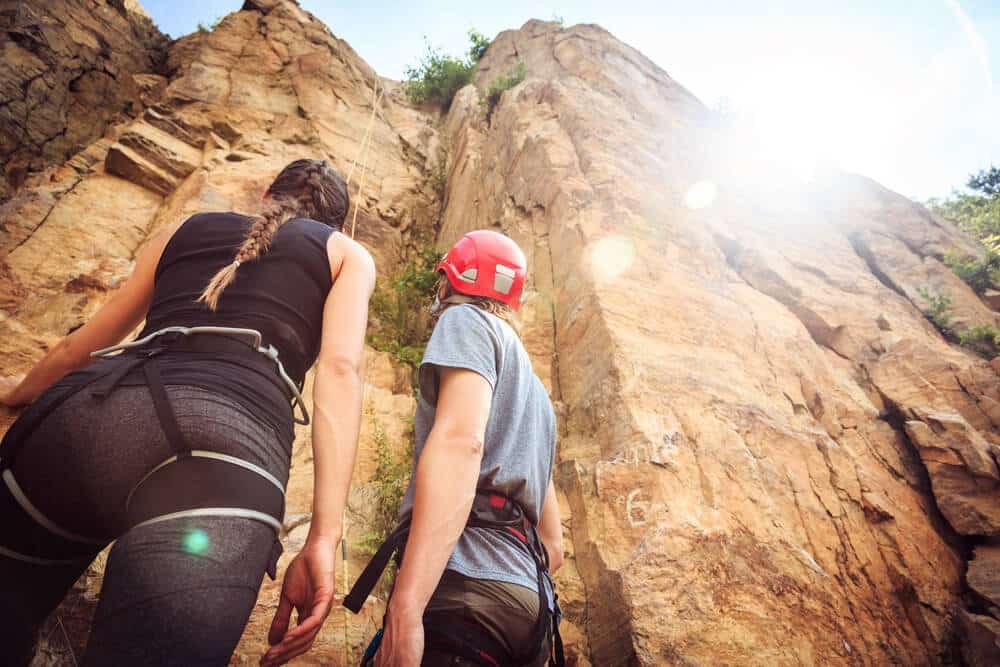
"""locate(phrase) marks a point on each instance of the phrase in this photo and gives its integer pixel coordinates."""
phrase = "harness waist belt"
(494, 512)
(216, 339)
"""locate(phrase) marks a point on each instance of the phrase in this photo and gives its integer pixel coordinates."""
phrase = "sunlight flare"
(700, 195)
(611, 256)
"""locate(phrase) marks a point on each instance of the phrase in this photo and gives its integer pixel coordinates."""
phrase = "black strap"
(363, 587)
(161, 403)
(109, 382)
(558, 658)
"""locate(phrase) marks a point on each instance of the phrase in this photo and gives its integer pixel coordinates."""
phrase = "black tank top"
(281, 295)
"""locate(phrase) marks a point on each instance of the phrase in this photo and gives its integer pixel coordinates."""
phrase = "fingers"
(300, 639)
(284, 652)
(320, 610)
(279, 626)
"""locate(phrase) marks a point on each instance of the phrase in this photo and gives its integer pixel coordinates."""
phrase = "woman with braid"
(178, 444)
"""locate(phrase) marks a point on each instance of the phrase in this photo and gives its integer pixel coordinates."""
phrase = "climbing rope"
(362, 155)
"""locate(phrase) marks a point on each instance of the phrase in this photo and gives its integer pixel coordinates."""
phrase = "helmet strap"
(441, 304)
(458, 298)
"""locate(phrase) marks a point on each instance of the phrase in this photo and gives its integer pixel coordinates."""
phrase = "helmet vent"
(469, 275)
(503, 281)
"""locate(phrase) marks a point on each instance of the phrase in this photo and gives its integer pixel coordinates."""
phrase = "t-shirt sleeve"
(462, 338)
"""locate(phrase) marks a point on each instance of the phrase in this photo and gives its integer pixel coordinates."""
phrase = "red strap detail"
(519, 534)
(497, 502)
(489, 658)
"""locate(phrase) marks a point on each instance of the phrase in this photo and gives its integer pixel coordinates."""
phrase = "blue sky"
(904, 91)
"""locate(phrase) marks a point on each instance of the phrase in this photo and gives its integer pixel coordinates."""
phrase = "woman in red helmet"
(474, 589)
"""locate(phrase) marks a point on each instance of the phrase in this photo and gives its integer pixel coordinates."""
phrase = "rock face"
(766, 447)
(67, 70)
(768, 454)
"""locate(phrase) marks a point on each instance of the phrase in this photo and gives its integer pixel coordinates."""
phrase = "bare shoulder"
(345, 251)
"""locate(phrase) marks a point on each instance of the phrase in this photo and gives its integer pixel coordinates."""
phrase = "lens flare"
(196, 542)
(611, 256)
(700, 195)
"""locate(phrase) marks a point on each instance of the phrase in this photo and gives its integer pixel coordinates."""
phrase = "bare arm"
(550, 528)
(337, 393)
(445, 486)
(121, 314)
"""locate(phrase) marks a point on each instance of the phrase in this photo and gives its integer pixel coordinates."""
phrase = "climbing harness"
(495, 512)
(189, 483)
(254, 341)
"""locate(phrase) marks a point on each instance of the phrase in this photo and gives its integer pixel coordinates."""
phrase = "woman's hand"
(7, 387)
(308, 586)
(402, 640)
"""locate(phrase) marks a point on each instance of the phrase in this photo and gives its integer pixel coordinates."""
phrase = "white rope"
(363, 152)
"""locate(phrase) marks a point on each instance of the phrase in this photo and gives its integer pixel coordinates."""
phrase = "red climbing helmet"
(486, 263)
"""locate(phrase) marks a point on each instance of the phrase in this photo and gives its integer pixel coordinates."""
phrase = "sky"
(904, 91)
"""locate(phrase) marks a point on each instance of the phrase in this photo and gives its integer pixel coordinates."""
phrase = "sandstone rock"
(66, 71)
(759, 428)
(984, 574)
(981, 635)
(150, 87)
(963, 470)
(153, 158)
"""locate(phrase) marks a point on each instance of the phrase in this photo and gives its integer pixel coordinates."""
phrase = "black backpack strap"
(363, 587)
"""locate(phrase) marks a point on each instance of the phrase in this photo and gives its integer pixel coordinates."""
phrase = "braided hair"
(303, 189)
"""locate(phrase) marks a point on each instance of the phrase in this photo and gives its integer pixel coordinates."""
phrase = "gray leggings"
(177, 592)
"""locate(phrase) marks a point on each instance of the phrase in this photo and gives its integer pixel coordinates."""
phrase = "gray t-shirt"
(520, 435)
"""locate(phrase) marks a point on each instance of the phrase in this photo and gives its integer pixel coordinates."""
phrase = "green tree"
(986, 181)
(978, 212)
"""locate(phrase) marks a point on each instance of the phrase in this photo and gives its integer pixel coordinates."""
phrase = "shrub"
(478, 43)
(399, 308)
(981, 339)
(514, 76)
(979, 274)
(388, 484)
(938, 311)
(437, 77)
(439, 174)
(206, 28)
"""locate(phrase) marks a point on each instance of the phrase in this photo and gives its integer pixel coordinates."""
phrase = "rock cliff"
(68, 70)
(768, 454)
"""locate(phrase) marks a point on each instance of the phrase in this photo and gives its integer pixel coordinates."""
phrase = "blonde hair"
(303, 189)
(491, 306)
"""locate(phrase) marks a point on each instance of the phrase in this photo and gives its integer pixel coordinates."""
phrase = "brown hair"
(303, 189)
(492, 306)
